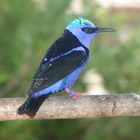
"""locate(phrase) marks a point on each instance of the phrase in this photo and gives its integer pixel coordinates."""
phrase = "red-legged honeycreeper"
(62, 64)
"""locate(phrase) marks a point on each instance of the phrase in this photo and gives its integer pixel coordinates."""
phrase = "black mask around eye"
(89, 30)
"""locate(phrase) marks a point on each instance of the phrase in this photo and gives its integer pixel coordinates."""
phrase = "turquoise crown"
(80, 22)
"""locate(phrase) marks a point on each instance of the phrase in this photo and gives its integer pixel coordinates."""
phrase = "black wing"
(52, 71)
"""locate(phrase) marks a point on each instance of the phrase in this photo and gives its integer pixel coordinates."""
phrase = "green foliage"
(27, 29)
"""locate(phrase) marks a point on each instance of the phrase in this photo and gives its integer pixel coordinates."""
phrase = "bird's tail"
(31, 105)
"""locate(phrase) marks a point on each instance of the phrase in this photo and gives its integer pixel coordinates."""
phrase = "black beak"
(100, 30)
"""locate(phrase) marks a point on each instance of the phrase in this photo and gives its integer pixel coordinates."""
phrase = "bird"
(62, 64)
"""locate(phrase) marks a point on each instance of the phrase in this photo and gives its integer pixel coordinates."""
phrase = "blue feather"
(80, 22)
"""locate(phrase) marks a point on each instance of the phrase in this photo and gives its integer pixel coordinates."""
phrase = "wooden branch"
(60, 107)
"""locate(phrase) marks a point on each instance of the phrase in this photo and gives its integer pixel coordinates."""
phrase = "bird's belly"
(71, 78)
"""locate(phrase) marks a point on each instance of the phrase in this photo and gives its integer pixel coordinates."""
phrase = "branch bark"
(64, 107)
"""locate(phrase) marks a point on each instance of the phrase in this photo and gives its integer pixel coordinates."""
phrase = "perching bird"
(62, 64)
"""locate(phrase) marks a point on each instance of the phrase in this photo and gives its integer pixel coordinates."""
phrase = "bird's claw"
(75, 96)
(72, 93)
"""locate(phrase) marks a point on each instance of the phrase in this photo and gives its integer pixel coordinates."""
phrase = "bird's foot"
(76, 96)
(72, 93)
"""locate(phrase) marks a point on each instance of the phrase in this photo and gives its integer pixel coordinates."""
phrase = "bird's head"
(85, 30)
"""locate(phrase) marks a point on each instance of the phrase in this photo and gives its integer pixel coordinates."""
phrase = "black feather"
(64, 44)
(31, 105)
(53, 71)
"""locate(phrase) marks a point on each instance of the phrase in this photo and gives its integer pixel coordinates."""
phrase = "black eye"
(88, 30)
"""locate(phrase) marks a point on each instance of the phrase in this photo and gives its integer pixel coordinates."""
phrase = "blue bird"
(62, 64)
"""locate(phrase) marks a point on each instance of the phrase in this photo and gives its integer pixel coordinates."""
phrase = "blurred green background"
(27, 29)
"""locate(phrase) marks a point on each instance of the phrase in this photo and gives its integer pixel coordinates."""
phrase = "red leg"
(68, 90)
(76, 95)
(72, 93)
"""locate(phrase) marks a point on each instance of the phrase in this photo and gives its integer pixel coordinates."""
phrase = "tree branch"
(60, 107)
